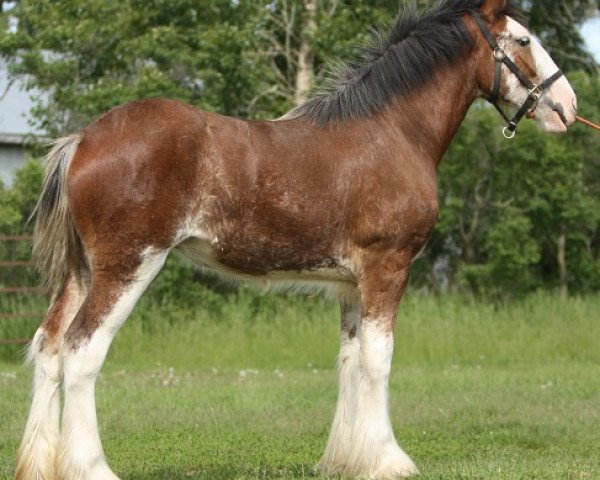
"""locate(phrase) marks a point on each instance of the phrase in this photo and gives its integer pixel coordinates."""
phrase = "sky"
(15, 106)
(591, 34)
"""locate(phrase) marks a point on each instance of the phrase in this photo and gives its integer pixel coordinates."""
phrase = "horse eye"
(524, 41)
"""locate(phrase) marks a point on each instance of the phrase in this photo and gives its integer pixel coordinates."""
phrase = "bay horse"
(339, 195)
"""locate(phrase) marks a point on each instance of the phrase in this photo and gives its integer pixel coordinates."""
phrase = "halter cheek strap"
(535, 90)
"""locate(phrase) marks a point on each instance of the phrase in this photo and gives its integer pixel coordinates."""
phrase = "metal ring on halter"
(508, 135)
(499, 54)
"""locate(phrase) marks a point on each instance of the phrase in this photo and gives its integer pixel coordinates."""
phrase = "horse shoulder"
(397, 205)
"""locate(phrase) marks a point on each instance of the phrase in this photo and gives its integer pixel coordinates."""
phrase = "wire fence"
(17, 277)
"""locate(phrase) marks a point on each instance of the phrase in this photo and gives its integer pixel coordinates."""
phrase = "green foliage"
(16, 205)
(10, 214)
(17, 202)
(505, 205)
(237, 58)
(557, 23)
(114, 52)
(26, 186)
(349, 26)
(179, 283)
(511, 251)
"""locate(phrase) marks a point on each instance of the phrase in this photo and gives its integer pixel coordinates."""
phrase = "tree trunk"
(306, 57)
(562, 265)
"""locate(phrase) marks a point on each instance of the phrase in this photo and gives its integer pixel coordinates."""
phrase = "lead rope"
(588, 123)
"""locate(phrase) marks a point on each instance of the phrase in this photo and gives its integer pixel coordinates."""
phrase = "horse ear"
(491, 8)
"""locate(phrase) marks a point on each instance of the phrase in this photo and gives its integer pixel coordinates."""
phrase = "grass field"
(477, 392)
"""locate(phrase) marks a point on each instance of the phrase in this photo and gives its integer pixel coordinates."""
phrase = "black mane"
(396, 63)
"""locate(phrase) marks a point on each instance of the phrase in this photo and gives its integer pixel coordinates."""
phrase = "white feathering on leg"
(339, 443)
(37, 455)
(375, 453)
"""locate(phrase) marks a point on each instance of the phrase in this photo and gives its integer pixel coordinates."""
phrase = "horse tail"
(57, 248)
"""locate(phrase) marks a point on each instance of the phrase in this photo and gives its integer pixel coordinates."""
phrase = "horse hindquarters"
(83, 229)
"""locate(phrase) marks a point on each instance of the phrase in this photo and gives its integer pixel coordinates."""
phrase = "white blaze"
(560, 95)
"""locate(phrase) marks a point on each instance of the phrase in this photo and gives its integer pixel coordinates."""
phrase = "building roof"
(12, 139)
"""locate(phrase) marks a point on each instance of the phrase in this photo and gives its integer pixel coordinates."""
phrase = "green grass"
(477, 392)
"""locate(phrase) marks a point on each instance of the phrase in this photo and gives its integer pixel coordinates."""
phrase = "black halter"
(535, 90)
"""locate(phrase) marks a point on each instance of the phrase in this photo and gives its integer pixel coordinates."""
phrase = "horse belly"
(332, 274)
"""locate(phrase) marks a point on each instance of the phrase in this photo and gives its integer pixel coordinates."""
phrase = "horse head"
(516, 71)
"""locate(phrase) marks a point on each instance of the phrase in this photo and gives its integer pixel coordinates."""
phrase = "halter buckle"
(536, 92)
(499, 54)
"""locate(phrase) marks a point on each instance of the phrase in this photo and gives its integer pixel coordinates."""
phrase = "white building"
(15, 126)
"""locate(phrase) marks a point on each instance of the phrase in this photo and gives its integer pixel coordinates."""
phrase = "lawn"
(477, 391)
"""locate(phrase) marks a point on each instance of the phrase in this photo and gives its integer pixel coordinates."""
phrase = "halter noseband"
(535, 90)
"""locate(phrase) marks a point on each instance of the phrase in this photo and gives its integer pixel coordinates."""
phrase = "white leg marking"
(374, 452)
(39, 448)
(81, 456)
(37, 454)
(339, 443)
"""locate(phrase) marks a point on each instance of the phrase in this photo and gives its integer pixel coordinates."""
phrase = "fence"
(11, 264)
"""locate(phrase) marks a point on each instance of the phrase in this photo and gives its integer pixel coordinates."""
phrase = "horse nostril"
(558, 108)
(575, 105)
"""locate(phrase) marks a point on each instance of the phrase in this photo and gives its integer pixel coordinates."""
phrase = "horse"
(338, 196)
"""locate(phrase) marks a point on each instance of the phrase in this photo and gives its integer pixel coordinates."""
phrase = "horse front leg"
(374, 452)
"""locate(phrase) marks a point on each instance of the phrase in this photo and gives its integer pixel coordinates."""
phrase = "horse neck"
(431, 116)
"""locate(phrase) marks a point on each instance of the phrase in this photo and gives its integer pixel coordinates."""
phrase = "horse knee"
(376, 348)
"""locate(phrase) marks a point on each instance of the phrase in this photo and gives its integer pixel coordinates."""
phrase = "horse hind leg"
(37, 455)
(115, 289)
(339, 442)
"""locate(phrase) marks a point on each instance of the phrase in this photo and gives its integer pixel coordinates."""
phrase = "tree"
(16, 204)
(306, 56)
(302, 37)
(92, 55)
(517, 215)
(3, 16)
(249, 59)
